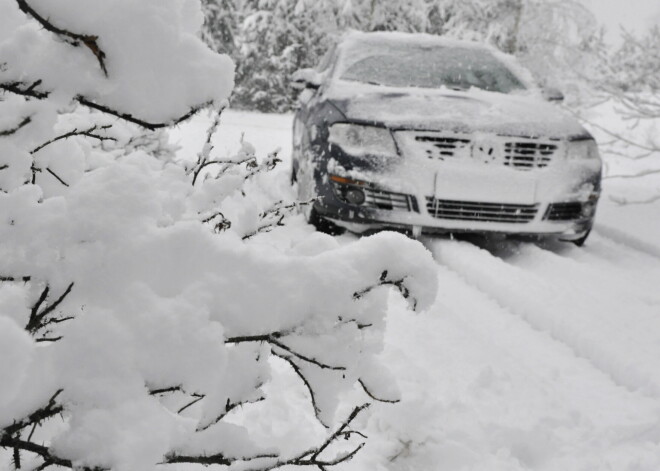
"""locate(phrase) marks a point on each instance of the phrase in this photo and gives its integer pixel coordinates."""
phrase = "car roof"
(357, 38)
(358, 43)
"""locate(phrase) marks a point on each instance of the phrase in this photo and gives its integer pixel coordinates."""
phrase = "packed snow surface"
(533, 357)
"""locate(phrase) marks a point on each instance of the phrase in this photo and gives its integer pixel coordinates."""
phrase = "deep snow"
(533, 357)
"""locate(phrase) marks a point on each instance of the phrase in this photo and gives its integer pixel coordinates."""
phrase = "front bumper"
(450, 182)
(568, 216)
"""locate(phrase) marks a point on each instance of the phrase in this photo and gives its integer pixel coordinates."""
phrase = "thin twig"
(89, 132)
(8, 132)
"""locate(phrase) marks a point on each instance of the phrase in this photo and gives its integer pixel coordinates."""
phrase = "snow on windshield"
(425, 66)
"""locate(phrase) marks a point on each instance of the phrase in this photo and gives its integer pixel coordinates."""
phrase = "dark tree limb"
(132, 119)
(57, 177)
(276, 214)
(40, 311)
(41, 450)
(89, 132)
(19, 88)
(384, 281)
(89, 40)
(230, 406)
(49, 410)
(250, 161)
(8, 132)
(36, 170)
(266, 166)
(220, 222)
(24, 279)
(312, 395)
(197, 398)
(310, 457)
(273, 339)
(171, 389)
(218, 459)
(372, 396)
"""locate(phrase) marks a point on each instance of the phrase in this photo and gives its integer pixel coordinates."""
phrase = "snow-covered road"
(533, 357)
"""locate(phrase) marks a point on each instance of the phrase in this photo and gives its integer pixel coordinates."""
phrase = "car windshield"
(431, 67)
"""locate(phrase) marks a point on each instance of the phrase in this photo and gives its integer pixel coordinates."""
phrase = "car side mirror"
(553, 94)
(306, 78)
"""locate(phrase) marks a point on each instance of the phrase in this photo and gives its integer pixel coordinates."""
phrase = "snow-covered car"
(427, 135)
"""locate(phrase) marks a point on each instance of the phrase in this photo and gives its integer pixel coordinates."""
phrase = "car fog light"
(354, 196)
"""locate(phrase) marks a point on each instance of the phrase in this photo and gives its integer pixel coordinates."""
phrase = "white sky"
(635, 16)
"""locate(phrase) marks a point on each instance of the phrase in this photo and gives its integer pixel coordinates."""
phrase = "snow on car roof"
(355, 45)
(356, 38)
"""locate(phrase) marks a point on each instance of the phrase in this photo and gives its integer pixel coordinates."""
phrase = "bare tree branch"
(276, 214)
(220, 222)
(310, 457)
(250, 161)
(39, 316)
(18, 88)
(132, 119)
(24, 279)
(372, 396)
(57, 177)
(398, 284)
(19, 126)
(230, 406)
(273, 339)
(89, 40)
(51, 409)
(89, 132)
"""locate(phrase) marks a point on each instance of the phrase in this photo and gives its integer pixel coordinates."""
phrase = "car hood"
(459, 111)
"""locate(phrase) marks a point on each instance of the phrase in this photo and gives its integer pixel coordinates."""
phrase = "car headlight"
(359, 140)
(585, 149)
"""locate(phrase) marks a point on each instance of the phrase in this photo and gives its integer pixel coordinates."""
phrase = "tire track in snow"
(625, 239)
(486, 380)
(571, 309)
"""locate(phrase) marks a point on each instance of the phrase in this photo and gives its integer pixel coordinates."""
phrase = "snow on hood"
(460, 111)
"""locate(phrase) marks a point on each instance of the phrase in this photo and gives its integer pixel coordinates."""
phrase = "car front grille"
(528, 154)
(439, 147)
(564, 212)
(520, 153)
(475, 211)
(379, 199)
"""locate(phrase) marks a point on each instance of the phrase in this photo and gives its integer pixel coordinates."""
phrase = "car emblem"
(486, 150)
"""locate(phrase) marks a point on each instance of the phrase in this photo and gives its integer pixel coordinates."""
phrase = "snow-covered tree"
(138, 325)
(276, 39)
(555, 39)
(626, 87)
(221, 21)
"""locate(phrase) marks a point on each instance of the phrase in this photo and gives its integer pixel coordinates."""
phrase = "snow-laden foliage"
(623, 112)
(139, 315)
(272, 38)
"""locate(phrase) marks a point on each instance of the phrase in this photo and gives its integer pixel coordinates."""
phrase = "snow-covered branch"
(89, 40)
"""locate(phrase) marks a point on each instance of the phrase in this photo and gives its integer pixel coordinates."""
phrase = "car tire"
(323, 225)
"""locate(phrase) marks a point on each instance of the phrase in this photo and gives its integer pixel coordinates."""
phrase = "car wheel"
(323, 225)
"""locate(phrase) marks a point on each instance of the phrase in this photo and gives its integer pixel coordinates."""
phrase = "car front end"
(450, 154)
(438, 181)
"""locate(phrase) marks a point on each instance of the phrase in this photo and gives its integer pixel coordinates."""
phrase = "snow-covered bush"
(136, 325)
